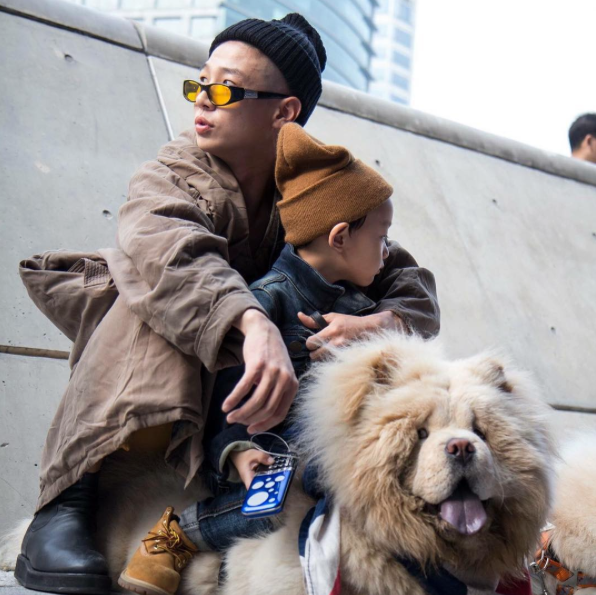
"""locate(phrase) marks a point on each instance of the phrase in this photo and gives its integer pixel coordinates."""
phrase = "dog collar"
(568, 582)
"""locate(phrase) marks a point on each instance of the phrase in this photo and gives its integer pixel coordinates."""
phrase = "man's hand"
(344, 329)
(269, 369)
(247, 461)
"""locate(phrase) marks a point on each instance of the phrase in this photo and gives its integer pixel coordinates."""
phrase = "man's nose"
(203, 100)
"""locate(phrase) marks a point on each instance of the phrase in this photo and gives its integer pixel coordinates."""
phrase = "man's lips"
(202, 125)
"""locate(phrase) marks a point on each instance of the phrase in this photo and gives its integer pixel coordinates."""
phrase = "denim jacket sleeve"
(268, 302)
(408, 290)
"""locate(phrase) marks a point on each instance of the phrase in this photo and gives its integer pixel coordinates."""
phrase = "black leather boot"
(58, 552)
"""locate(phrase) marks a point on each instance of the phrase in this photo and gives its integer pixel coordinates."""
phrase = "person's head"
(335, 209)
(284, 57)
(582, 138)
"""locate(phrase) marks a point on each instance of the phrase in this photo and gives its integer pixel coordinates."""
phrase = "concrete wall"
(508, 230)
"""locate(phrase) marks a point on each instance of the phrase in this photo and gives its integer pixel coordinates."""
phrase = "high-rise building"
(346, 26)
(393, 45)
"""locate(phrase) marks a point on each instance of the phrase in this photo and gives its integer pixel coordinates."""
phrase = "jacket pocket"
(295, 341)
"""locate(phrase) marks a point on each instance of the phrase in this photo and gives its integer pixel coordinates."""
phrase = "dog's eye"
(422, 433)
(480, 434)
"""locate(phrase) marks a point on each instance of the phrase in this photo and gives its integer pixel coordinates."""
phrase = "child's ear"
(338, 236)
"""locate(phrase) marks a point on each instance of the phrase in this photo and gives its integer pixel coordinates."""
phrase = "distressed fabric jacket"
(180, 273)
(290, 287)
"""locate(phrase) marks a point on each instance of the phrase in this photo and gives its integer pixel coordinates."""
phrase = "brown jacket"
(145, 353)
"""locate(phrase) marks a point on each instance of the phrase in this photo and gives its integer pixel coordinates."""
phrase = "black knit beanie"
(294, 46)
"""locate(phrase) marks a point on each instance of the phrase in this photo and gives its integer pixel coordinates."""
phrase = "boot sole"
(60, 582)
(141, 587)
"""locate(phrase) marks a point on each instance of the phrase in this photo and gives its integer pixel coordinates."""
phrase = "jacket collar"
(322, 296)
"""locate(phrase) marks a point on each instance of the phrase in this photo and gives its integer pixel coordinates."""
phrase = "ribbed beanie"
(294, 46)
(321, 186)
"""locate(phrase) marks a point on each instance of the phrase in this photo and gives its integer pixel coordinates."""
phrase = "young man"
(336, 213)
(582, 138)
(199, 224)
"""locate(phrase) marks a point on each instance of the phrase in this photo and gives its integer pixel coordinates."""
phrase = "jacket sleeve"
(408, 290)
(269, 303)
(191, 295)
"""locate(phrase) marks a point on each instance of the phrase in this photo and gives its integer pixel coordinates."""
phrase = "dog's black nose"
(460, 449)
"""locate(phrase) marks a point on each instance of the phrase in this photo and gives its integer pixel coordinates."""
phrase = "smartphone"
(269, 487)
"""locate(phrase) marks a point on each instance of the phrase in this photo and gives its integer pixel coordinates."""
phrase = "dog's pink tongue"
(464, 510)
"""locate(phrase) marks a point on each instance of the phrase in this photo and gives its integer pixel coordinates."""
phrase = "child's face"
(366, 248)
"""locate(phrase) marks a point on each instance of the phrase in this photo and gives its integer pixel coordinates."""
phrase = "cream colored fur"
(362, 412)
(574, 509)
(10, 545)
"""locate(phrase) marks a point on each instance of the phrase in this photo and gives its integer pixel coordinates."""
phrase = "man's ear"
(289, 109)
(338, 236)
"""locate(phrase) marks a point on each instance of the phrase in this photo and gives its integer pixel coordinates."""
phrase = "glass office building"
(346, 26)
(393, 44)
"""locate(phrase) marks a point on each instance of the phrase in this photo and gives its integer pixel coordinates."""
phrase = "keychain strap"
(289, 454)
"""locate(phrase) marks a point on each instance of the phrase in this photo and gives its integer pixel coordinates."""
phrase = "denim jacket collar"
(322, 296)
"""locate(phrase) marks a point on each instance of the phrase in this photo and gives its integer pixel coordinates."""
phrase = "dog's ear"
(375, 374)
(492, 370)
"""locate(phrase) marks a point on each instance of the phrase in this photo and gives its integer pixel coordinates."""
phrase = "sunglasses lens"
(190, 90)
(220, 94)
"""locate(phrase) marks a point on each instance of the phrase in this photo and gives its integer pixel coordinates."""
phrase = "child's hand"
(247, 461)
(342, 329)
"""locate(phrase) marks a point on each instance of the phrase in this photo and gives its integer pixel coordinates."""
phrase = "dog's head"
(445, 462)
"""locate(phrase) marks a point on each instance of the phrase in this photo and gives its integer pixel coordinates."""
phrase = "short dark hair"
(352, 226)
(357, 224)
(583, 125)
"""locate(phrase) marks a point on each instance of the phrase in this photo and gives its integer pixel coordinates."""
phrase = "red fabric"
(522, 586)
(337, 585)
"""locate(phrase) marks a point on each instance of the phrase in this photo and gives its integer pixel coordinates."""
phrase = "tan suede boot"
(155, 567)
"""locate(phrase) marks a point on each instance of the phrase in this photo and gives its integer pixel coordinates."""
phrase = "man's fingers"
(240, 391)
(264, 415)
(257, 400)
(278, 416)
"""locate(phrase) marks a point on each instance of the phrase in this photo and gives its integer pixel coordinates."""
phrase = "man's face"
(591, 148)
(586, 150)
(245, 127)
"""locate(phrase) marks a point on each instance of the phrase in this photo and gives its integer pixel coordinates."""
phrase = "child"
(336, 212)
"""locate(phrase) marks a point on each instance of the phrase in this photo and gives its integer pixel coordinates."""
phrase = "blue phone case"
(269, 488)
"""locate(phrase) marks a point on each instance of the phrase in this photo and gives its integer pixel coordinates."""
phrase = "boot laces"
(167, 540)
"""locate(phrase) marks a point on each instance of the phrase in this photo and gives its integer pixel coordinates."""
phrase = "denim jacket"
(291, 286)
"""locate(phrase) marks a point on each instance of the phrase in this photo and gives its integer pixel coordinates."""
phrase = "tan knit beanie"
(321, 185)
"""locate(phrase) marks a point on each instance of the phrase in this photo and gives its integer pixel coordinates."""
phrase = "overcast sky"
(523, 69)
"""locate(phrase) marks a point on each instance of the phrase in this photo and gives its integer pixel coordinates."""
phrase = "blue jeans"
(215, 523)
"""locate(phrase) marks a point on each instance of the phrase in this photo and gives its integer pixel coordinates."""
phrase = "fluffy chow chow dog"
(571, 534)
(445, 463)
(442, 463)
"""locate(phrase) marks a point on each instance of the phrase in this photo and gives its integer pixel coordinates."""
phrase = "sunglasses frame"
(237, 93)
